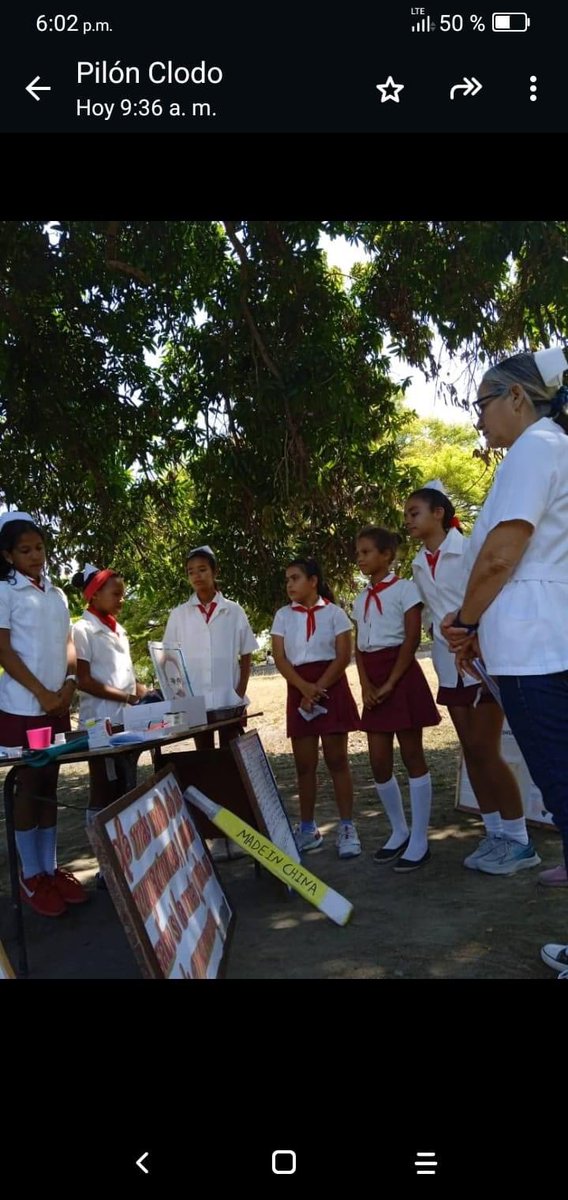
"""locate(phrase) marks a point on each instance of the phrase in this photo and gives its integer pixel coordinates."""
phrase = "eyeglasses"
(479, 406)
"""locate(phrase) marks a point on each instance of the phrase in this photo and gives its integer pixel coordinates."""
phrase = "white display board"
(262, 789)
(535, 811)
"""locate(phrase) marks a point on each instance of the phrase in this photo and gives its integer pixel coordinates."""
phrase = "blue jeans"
(536, 707)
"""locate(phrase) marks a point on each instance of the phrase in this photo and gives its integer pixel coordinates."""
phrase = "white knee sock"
(391, 799)
(420, 805)
(27, 843)
(47, 841)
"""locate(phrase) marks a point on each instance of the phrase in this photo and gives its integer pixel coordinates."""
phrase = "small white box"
(142, 716)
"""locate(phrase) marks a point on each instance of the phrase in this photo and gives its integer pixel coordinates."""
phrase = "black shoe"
(405, 865)
(388, 856)
(100, 882)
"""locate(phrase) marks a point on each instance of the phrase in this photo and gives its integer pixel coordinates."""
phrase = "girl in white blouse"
(216, 639)
(106, 679)
(440, 571)
(36, 690)
(396, 696)
(312, 646)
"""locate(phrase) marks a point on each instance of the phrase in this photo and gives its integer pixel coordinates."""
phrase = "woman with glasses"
(515, 610)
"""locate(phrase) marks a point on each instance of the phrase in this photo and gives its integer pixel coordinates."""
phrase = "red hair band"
(97, 582)
(455, 523)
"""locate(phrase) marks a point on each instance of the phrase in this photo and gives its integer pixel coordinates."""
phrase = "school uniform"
(309, 645)
(441, 578)
(379, 614)
(108, 655)
(523, 634)
(212, 643)
(38, 621)
(524, 631)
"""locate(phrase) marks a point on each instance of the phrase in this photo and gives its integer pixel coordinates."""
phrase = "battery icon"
(510, 22)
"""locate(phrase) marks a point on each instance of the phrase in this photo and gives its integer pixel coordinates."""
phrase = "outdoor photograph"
(283, 599)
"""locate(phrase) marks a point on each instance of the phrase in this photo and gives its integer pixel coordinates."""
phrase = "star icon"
(389, 90)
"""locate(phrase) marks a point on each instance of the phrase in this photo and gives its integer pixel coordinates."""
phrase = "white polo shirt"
(108, 656)
(330, 620)
(212, 648)
(525, 629)
(39, 630)
(441, 595)
(378, 631)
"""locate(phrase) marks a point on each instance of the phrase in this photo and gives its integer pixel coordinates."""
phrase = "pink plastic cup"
(39, 739)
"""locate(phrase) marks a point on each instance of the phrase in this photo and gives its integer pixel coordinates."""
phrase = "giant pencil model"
(270, 856)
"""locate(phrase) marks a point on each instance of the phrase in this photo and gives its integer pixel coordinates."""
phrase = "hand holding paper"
(316, 711)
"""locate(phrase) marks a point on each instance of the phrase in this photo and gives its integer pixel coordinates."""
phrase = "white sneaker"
(347, 841)
(555, 956)
(486, 845)
(312, 840)
(507, 857)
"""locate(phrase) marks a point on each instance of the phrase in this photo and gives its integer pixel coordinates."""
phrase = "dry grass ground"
(443, 921)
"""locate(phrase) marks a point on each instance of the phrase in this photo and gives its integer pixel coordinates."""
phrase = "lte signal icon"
(425, 25)
(425, 1162)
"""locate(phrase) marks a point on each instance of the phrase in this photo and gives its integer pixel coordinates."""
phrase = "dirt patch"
(441, 922)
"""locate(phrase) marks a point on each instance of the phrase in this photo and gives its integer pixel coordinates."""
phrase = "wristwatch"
(459, 624)
(73, 679)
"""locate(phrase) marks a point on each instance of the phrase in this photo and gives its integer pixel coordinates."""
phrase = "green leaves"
(169, 382)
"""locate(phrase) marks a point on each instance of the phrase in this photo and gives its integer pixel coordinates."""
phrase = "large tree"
(163, 382)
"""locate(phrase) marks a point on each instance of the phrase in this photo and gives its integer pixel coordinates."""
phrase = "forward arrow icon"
(469, 87)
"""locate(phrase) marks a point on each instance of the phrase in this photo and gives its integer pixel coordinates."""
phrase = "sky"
(421, 395)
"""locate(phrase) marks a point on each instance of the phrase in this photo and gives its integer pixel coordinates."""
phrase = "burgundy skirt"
(462, 696)
(411, 705)
(13, 727)
(341, 716)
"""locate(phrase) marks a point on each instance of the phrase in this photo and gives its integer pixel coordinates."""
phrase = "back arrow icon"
(35, 86)
(470, 87)
(140, 1163)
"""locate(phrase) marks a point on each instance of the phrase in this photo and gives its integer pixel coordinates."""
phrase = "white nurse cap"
(15, 516)
(201, 550)
(551, 365)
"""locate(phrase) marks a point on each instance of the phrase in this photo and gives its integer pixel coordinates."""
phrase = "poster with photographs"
(171, 670)
(163, 884)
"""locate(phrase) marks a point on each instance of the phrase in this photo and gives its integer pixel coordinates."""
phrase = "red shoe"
(40, 893)
(68, 888)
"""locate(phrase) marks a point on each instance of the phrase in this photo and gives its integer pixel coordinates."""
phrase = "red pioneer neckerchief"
(373, 594)
(311, 617)
(208, 612)
(105, 618)
(432, 560)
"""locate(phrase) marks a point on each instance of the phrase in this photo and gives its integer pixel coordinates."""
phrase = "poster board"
(162, 882)
(533, 805)
(6, 971)
(258, 778)
(171, 668)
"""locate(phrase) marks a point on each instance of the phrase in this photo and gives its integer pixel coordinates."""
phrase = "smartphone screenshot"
(283, 641)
